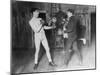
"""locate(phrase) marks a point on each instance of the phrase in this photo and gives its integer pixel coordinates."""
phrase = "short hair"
(33, 10)
(71, 10)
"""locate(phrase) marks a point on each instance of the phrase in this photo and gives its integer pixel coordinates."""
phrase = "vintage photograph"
(52, 37)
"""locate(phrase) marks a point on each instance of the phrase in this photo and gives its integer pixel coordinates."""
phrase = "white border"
(5, 36)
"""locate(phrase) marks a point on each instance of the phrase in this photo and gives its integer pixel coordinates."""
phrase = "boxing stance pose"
(40, 36)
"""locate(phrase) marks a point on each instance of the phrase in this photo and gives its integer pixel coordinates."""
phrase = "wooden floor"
(59, 57)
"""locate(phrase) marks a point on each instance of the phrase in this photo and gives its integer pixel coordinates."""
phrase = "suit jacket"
(81, 31)
(75, 29)
(71, 28)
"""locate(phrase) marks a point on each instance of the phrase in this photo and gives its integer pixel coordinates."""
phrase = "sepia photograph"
(52, 37)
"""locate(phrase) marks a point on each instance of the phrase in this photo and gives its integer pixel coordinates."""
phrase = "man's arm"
(49, 27)
(83, 30)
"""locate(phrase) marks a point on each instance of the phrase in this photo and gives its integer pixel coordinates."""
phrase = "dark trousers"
(74, 45)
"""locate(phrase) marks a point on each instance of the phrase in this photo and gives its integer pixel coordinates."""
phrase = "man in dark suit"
(72, 32)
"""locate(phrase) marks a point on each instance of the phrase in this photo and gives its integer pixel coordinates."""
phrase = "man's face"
(69, 14)
(36, 13)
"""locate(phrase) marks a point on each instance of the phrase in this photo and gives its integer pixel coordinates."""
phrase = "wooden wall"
(22, 34)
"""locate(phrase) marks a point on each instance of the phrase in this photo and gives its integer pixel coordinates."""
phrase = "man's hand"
(65, 35)
(84, 40)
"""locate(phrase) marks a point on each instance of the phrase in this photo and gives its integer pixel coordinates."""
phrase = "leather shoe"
(35, 66)
(52, 64)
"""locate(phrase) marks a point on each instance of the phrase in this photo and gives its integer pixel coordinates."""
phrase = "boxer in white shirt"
(40, 36)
